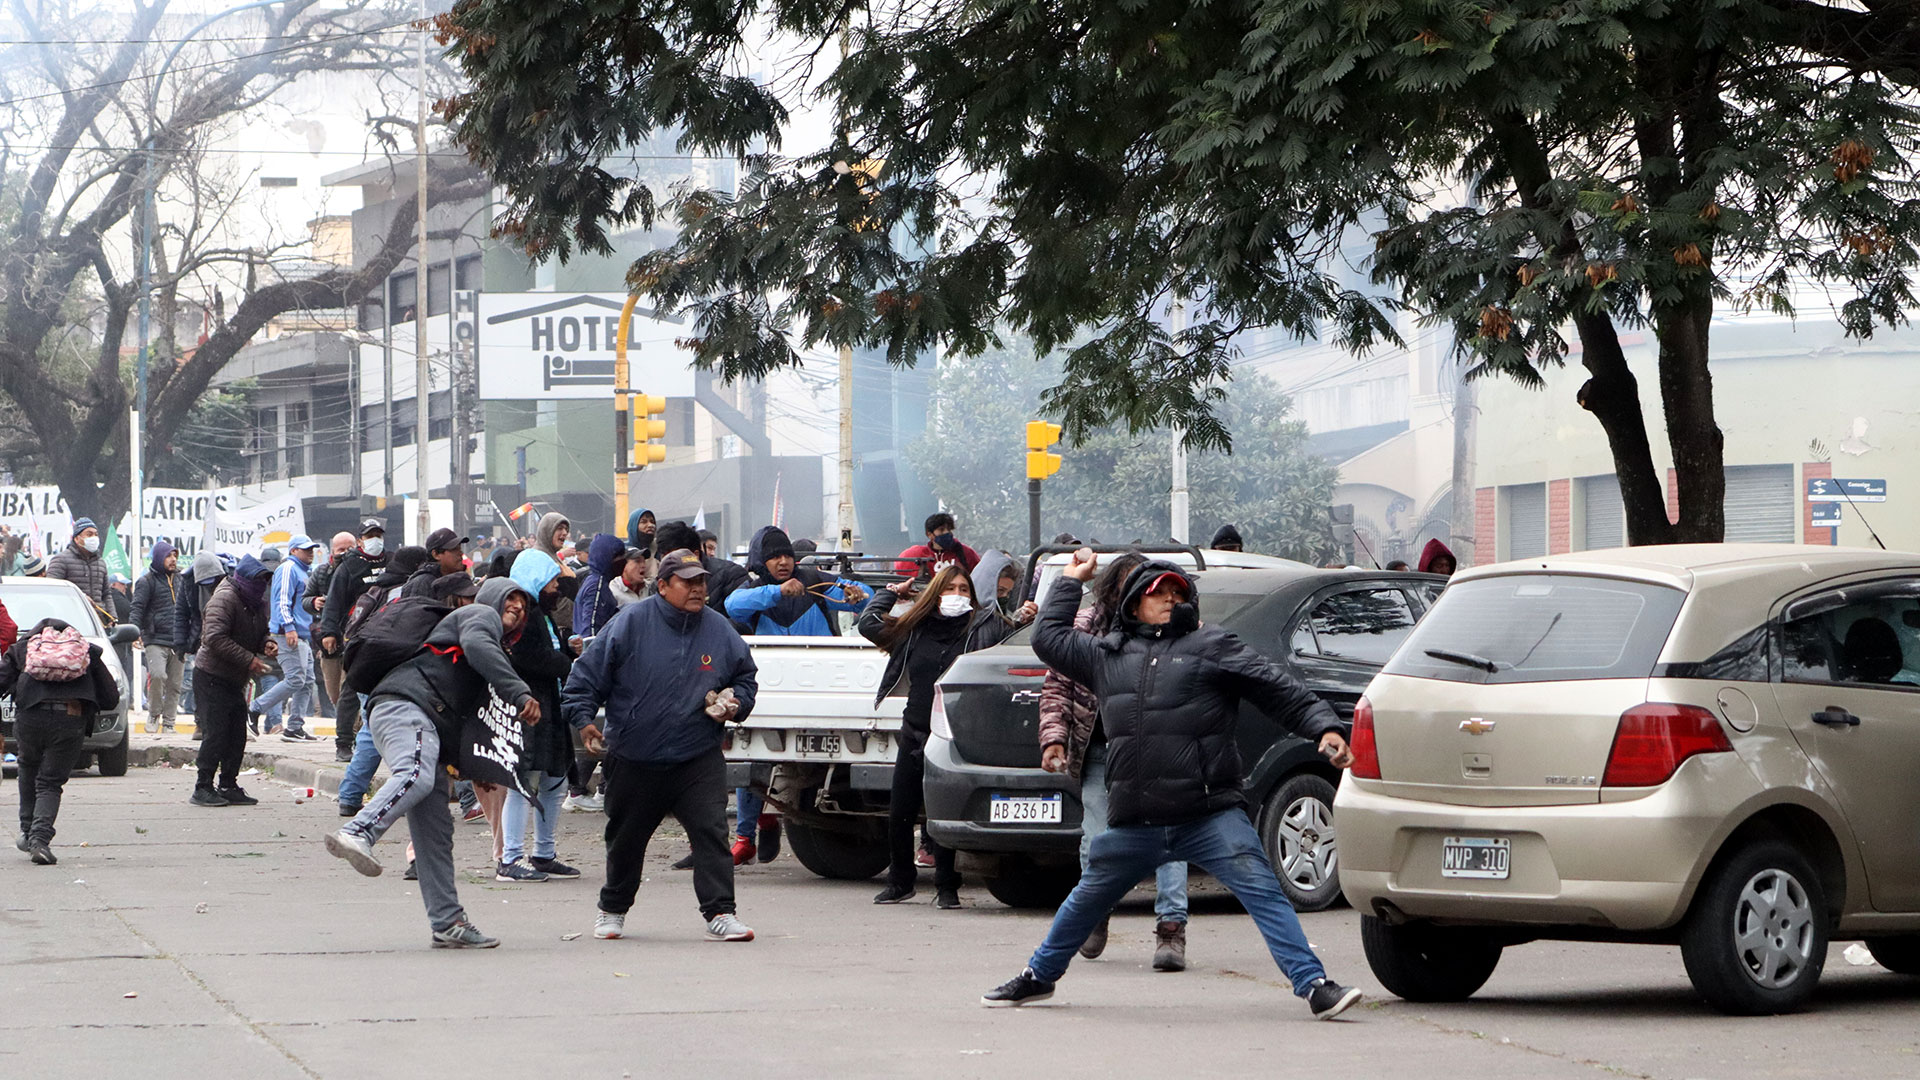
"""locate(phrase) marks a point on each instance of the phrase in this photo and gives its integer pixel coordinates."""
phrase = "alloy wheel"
(1309, 856)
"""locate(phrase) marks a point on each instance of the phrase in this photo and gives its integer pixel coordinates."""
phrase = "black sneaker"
(1329, 999)
(894, 894)
(513, 871)
(206, 796)
(947, 899)
(342, 755)
(23, 843)
(237, 796)
(1023, 989)
(412, 874)
(349, 811)
(769, 838)
(685, 863)
(553, 868)
(253, 723)
(42, 855)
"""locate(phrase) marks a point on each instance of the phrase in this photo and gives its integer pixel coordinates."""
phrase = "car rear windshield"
(1541, 628)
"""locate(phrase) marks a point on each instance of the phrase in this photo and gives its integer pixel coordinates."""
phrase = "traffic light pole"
(622, 428)
(1033, 515)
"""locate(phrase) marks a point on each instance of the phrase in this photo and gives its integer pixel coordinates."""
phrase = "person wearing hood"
(642, 528)
(416, 713)
(596, 604)
(542, 657)
(670, 675)
(998, 577)
(1227, 538)
(921, 644)
(1170, 690)
(723, 575)
(942, 547)
(234, 647)
(1437, 558)
(80, 563)
(553, 536)
(387, 585)
(155, 598)
(51, 717)
(333, 669)
(202, 577)
(351, 579)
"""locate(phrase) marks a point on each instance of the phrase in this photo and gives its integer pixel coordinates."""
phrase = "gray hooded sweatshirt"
(994, 622)
(462, 658)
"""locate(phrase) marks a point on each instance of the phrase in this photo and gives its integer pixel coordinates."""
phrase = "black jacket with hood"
(465, 654)
(352, 576)
(1169, 701)
(95, 691)
(155, 596)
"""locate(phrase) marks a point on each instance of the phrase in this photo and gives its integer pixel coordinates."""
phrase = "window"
(1541, 628)
(373, 427)
(405, 412)
(264, 442)
(1868, 635)
(439, 289)
(440, 414)
(466, 273)
(299, 434)
(1366, 625)
(1526, 521)
(400, 297)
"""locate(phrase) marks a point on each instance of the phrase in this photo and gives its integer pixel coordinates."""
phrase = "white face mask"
(91, 543)
(955, 606)
(374, 545)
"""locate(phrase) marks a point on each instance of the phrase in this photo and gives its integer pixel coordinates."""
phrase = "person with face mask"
(234, 647)
(415, 712)
(155, 597)
(554, 535)
(542, 658)
(351, 578)
(333, 671)
(921, 644)
(80, 563)
(941, 549)
(189, 613)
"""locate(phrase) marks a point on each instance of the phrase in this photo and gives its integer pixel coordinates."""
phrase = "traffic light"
(1041, 462)
(647, 432)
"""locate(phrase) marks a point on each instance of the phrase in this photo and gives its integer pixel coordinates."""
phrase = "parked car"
(28, 601)
(1711, 746)
(988, 798)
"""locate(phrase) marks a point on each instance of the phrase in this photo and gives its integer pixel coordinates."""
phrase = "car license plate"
(1038, 809)
(1476, 857)
(806, 744)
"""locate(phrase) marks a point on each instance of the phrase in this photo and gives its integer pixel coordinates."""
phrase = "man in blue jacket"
(289, 620)
(670, 673)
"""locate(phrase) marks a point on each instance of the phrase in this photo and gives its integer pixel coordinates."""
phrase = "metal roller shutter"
(1760, 504)
(1606, 525)
(1526, 521)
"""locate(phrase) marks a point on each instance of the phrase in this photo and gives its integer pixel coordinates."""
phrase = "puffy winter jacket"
(651, 669)
(85, 569)
(232, 632)
(1169, 701)
(155, 596)
(1068, 709)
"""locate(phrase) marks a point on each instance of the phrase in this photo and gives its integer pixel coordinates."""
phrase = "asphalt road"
(184, 942)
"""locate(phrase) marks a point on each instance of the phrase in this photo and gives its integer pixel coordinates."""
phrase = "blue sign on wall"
(1838, 490)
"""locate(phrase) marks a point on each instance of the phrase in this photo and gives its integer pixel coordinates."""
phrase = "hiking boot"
(1096, 942)
(743, 851)
(237, 796)
(685, 862)
(1170, 948)
(725, 927)
(1329, 999)
(769, 837)
(553, 868)
(513, 871)
(356, 849)
(206, 796)
(894, 894)
(609, 925)
(1023, 989)
(463, 935)
(41, 854)
(947, 899)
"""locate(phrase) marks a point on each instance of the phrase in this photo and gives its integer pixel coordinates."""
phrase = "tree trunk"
(1613, 396)
(1686, 390)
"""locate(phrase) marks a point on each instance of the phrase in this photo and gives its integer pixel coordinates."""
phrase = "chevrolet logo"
(1476, 726)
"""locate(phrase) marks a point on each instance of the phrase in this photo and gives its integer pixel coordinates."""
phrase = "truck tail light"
(1366, 753)
(1653, 739)
(938, 722)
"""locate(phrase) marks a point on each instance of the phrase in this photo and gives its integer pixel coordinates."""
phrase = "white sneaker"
(608, 925)
(725, 927)
(356, 849)
(586, 804)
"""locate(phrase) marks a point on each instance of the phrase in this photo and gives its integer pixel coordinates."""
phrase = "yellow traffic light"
(1041, 463)
(1041, 434)
(646, 430)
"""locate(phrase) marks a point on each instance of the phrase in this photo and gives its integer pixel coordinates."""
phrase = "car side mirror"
(123, 633)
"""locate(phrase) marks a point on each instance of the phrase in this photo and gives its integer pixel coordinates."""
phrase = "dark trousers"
(346, 722)
(221, 711)
(639, 797)
(903, 819)
(47, 745)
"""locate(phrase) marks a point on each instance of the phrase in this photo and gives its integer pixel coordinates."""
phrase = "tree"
(87, 119)
(1113, 486)
(1066, 168)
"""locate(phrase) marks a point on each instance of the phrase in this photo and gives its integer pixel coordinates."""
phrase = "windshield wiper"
(1466, 658)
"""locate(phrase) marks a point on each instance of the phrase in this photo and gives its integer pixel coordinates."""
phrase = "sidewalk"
(302, 764)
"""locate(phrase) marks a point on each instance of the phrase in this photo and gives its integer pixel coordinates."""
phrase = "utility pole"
(622, 419)
(1178, 500)
(1463, 525)
(423, 381)
(460, 394)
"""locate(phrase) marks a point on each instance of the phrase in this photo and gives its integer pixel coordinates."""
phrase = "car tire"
(1900, 955)
(113, 760)
(1298, 831)
(1025, 884)
(839, 856)
(1755, 940)
(1426, 963)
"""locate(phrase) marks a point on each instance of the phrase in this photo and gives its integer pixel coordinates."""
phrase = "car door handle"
(1835, 716)
(1026, 697)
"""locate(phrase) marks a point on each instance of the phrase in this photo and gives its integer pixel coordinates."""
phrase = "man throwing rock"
(1169, 691)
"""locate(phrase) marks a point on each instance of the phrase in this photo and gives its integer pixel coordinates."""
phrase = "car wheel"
(1301, 842)
(1022, 883)
(1756, 939)
(1900, 955)
(839, 856)
(1423, 962)
(113, 761)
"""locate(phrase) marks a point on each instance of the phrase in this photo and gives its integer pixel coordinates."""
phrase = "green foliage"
(1114, 485)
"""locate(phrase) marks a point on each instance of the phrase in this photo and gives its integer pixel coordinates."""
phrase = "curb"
(293, 771)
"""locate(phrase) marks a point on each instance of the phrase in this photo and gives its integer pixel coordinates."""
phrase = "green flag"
(115, 555)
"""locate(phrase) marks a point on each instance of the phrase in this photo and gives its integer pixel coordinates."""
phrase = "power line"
(161, 40)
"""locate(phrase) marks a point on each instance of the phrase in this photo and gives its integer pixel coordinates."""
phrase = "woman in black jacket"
(921, 644)
(50, 720)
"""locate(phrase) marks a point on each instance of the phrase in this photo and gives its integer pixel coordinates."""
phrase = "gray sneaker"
(356, 849)
(609, 925)
(463, 935)
(725, 927)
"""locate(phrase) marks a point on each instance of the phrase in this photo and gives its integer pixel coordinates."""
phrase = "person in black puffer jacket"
(51, 719)
(1169, 691)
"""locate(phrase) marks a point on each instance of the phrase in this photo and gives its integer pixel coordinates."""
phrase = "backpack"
(369, 602)
(57, 655)
(388, 638)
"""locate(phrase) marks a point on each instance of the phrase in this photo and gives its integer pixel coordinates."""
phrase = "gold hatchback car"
(1715, 746)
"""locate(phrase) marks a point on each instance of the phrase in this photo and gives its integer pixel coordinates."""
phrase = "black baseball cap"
(682, 564)
(373, 525)
(444, 540)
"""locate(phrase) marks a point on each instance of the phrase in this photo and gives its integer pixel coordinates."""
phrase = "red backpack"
(57, 655)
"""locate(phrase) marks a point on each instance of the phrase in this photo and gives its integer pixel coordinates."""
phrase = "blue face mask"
(946, 541)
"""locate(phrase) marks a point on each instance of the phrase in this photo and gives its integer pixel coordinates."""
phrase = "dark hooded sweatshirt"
(234, 630)
(463, 656)
(155, 596)
(595, 605)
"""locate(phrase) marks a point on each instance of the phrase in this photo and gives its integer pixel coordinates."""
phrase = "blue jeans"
(1169, 880)
(746, 811)
(293, 689)
(1223, 844)
(366, 758)
(513, 819)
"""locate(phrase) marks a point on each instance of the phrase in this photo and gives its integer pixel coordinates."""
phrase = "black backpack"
(388, 638)
(363, 609)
